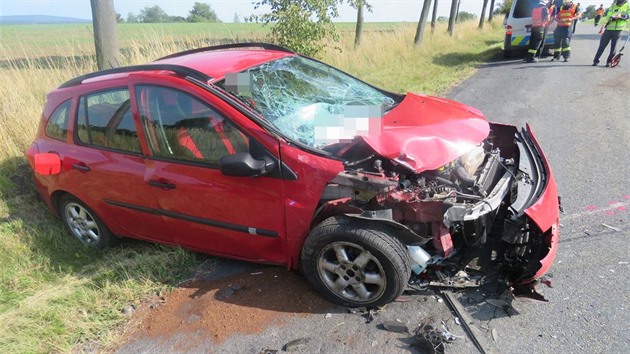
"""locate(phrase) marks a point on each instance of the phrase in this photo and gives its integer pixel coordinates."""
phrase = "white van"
(518, 27)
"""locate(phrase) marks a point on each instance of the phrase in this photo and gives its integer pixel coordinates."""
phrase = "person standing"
(616, 20)
(577, 10)
(598, 14)
(540, 17)
(562, 36)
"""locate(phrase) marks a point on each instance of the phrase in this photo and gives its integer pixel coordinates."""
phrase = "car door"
(239, 217)
(106, 167)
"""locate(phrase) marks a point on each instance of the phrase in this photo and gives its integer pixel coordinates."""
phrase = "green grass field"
(57, 296)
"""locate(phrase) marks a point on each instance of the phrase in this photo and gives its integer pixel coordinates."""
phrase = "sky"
(383, 10)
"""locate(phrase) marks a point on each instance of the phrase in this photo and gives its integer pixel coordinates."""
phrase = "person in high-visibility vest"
(540, 17)
(568, 13)
(598, 14)
(616, 20)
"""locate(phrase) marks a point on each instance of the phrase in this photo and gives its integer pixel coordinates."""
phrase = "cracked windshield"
(310, 102)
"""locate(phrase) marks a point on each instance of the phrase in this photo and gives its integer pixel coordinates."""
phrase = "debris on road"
(434, 334)
(494, 334)
(265, 350)
(297, 344)
(611, 227)
(395, 327)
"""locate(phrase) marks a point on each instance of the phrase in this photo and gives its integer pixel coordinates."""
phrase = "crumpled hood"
(426, 132)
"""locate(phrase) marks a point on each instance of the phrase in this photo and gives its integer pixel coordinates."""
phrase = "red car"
(251, 151)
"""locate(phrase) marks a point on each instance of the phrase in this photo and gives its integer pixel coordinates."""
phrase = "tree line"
(299, 25)
(200, 12)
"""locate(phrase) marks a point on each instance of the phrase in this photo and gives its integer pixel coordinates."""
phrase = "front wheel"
(355, 264)
(83, 223)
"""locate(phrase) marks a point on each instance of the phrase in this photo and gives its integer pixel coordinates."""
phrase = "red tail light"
(508, 30)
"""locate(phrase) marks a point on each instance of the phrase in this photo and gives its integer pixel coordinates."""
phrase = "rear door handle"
(81, 167)
(161, 184)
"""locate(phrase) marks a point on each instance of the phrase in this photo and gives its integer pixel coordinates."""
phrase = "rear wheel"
(355, 264)
(83, 223)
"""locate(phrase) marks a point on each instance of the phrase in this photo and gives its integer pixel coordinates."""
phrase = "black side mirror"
(242, 164)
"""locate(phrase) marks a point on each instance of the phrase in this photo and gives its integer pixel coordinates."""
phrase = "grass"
(57, 296)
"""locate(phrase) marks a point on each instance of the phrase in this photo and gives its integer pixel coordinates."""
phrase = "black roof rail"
(230, 46)
(177, 69)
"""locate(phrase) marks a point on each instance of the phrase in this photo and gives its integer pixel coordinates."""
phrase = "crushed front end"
(497, 204)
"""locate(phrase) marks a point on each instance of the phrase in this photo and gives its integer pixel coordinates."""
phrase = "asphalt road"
(581, 118)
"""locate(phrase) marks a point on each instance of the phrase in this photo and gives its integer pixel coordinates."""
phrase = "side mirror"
(242, 164)
(47, 164)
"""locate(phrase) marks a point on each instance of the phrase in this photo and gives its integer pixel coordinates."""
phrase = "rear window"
(105, 119)
(523, 8)
(57, 126)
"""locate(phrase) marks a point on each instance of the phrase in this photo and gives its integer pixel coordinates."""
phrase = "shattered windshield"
(311, 102)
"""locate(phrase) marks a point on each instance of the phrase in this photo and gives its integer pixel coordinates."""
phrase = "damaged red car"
(253, 152)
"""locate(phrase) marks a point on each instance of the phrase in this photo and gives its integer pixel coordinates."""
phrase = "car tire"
(355, 265)
(507, 54)
(83, 223)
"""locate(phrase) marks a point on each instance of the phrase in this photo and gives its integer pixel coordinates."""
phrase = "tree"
(202, 12)
(589, 12)
(422, 22)
(131, 18)
(119, 18)
(359, 5)
(451, 18)
(237, 18)
(152, 14)
(105, 35)
(300, 24)
(466, 16)
(503, 8)
(483, 13)
(434, 15)
(491, 12)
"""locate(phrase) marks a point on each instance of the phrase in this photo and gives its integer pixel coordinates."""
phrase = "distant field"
(55, 39)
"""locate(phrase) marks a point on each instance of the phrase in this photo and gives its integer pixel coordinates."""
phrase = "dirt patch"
(241, 304)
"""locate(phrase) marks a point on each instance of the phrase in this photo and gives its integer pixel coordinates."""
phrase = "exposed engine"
(471, 204)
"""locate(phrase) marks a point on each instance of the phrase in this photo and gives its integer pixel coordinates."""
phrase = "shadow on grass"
(456, 59)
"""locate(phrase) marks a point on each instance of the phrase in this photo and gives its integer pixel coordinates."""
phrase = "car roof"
(207, 64)
(217, 63)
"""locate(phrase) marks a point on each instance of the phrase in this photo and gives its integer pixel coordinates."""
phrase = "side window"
(57, 126)
(180, 126)
(105, 119)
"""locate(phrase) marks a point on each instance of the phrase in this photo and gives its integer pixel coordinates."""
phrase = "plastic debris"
(457, 322)
(494, 334)
(395, 327)
(328, 315)
(436, 334)
(266, 350)
(611, 227)
(374, 343)
(297, 344)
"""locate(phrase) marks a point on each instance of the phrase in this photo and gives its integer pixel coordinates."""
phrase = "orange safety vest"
(599, 12)
(537, 17)
(565, 16)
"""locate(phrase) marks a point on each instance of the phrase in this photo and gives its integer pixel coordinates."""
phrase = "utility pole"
(105, 34)
(359, 28)
(490, 14)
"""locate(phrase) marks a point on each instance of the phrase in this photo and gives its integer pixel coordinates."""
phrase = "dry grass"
(56, 295)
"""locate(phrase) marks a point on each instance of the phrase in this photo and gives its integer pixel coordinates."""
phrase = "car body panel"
(423, 123)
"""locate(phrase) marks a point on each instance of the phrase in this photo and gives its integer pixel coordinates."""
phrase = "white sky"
(383, 10)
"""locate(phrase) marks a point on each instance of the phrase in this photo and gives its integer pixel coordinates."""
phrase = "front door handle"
(81, 167)
(161, 184)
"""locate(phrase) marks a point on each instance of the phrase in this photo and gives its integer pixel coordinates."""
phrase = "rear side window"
(182, 127)
(105, 119)
(57, 126)
(523, 8)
